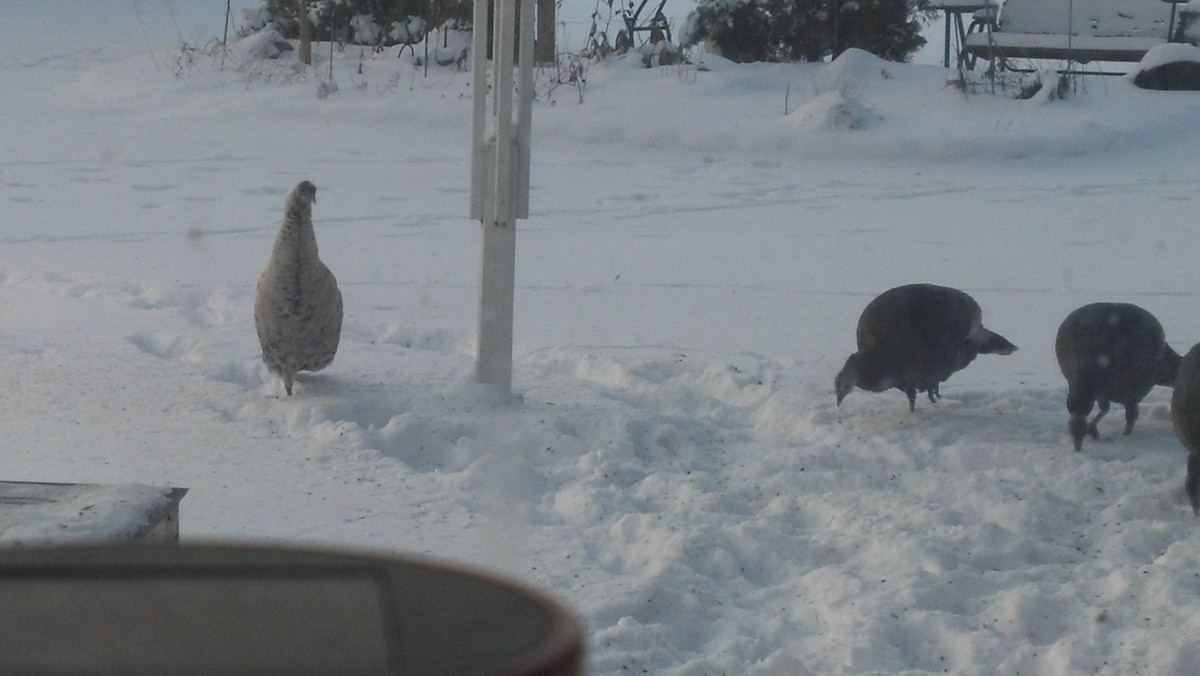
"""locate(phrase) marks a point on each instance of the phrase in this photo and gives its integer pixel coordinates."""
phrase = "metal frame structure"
(657, 21)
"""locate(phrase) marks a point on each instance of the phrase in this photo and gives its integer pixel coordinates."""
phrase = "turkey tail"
(994, 343)
(1167, 367)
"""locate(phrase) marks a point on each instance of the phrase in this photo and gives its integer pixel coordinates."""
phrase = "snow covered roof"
(1098, 18)
(1083, 30)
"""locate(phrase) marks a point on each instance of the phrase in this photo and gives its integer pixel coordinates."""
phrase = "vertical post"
(946, 46)
(305, 54)
(500, 172)
(544, 45)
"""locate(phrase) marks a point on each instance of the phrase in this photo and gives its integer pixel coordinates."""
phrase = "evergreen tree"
(363, 22)
(806, 30)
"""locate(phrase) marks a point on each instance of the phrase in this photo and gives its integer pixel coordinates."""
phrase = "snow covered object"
(915, 336)
(1173, 66)
(1111, 352)
(298, 308)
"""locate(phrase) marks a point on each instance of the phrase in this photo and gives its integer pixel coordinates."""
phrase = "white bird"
(298, 308)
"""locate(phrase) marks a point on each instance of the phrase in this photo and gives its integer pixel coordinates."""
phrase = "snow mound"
(859, 63)
(267, 43)
(1173, 52)
(835, 110)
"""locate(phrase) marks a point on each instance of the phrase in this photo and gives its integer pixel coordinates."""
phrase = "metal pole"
(503, 46)
(500, 174)
(946, 47)
(478, 105)
(525, 109)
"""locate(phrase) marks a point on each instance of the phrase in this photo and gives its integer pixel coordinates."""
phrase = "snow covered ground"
(700, 245)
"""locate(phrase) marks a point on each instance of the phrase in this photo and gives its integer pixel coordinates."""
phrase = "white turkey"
(298, 308)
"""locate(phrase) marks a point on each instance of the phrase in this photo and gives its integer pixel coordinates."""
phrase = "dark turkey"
(913, 337)
(1185, 413)
(1111, 352)
(298, 308)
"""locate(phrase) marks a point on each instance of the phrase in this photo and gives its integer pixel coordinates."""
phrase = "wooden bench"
(1078, 31)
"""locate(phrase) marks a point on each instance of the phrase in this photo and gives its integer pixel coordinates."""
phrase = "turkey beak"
(842, 389)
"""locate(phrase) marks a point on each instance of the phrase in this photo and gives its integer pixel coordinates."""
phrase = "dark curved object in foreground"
(241, 609)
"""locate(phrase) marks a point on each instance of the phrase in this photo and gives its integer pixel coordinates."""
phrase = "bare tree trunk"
(305, 33)
(543, 50)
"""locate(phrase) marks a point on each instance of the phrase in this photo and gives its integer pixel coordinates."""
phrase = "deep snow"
(699, 247)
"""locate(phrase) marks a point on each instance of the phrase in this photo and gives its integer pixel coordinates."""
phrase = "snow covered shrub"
(1043, 85)
(265, 44)
(379, 23)
(598, 43)
(651, 36)
(253, 20)
(805, 30)
(661, 53)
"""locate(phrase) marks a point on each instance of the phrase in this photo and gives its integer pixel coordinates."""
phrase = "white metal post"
(500, 172)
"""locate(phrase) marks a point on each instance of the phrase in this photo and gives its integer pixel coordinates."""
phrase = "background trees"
(384, 23)
(806, 30)
(741, 30)
(380, 23)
